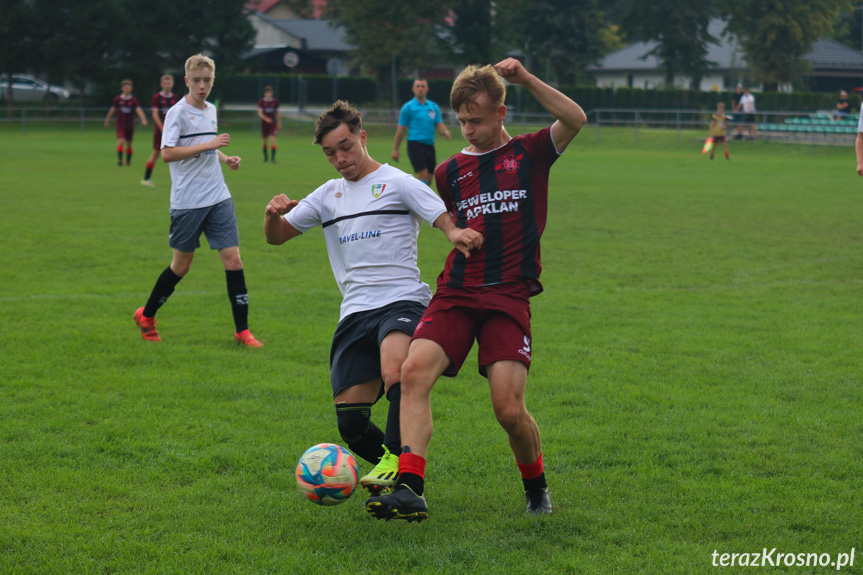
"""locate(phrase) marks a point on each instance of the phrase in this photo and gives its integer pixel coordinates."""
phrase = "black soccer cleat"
(402, 503)
(538, 502)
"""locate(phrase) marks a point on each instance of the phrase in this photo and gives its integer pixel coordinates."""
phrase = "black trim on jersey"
(453, 175)
(200, 134)
(492, 223)
(361, 214)
(529, 229)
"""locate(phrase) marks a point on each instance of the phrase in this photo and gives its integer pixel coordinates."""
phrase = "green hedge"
(364, 91)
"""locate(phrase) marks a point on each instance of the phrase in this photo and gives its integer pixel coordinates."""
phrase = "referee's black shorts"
(422, 156)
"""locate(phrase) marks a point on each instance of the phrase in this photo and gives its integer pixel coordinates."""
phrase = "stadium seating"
(818, 127)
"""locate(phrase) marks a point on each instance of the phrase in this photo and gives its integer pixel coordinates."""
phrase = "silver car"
(27, 87)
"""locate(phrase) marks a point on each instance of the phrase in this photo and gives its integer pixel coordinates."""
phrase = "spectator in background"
(747, 105)
(735, 106)
(843, 106)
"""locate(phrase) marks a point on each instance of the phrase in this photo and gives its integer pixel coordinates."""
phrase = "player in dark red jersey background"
(498, 186)
(125, 106)
(271, 120)
(162, 102)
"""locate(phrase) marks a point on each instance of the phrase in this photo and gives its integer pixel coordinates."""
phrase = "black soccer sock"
(265, 153)
(535, 483)
(120, 155)
(239, 298)
(363, 437)
(148, 172)
(128, 155)
(273, 153)
(414, 481)
(163, 289)
(392, 434)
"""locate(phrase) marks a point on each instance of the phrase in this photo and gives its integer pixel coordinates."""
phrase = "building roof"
(827, 53)
(262, 6)
(727, 55)
(316, 35)
(724, 55)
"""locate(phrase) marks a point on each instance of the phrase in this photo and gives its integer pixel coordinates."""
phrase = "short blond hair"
(200, 61)
(474, 80)
(167, 77)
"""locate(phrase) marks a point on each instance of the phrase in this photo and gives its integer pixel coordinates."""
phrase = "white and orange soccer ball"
(327, 474)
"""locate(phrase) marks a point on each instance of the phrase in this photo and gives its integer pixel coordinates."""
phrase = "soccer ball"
(327, 474)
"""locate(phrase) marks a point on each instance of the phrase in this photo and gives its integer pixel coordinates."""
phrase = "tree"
(383, 30)
(468, 31)
(777, 34)
(567, 35)
(18, 40)
(679, 27)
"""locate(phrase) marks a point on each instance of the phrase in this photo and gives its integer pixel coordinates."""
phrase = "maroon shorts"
(268, 129)
(497, 316)
(718, 139)
(157, 139)
(125, 130)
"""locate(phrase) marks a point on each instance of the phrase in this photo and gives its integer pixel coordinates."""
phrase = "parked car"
(27, 87)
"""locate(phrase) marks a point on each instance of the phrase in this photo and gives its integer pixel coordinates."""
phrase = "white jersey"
(371, 228)
(196, 182)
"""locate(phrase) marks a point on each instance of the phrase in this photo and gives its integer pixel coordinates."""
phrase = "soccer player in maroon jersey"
(271, 120)
(125, 106)
(498, 185)
(162, 102)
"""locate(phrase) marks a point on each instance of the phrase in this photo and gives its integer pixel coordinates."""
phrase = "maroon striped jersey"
(269, 107)
(503, 194)
(125, 110)
(163, 103)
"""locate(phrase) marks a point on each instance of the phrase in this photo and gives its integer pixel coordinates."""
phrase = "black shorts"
(749, 118)
(355, 356)
(422, 156)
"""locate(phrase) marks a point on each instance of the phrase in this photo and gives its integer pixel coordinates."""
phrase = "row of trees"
(567, 36)
(91, 42)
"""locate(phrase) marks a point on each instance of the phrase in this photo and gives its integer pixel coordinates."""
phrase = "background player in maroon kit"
(162, 102)
(125, 106)
(271, 120)
(498, 186)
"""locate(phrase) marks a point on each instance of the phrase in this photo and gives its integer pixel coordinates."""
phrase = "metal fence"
(800, 126)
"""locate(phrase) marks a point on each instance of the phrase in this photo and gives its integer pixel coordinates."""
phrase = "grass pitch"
(696, 373)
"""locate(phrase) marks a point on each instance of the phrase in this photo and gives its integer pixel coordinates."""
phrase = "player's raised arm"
(277, 230)
(570, 117)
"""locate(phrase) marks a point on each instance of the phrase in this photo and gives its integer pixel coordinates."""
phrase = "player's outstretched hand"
(860, 169)
(512, 71)
(233, 162)
(280, 205)
(220, 141)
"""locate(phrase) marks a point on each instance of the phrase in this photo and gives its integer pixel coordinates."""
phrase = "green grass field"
(697, 372)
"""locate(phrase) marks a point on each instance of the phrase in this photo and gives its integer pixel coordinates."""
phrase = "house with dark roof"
(834, 66)
(310, 46)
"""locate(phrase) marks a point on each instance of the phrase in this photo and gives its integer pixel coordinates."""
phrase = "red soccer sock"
(120, 148)
(150, 165)
(412, 463)
(531, 470)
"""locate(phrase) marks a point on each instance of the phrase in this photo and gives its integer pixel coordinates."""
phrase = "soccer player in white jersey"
(371, 218)
(200, 200)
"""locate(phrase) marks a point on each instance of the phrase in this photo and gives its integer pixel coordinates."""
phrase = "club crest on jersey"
(432, 114)
(378, 189)
(509, 164)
